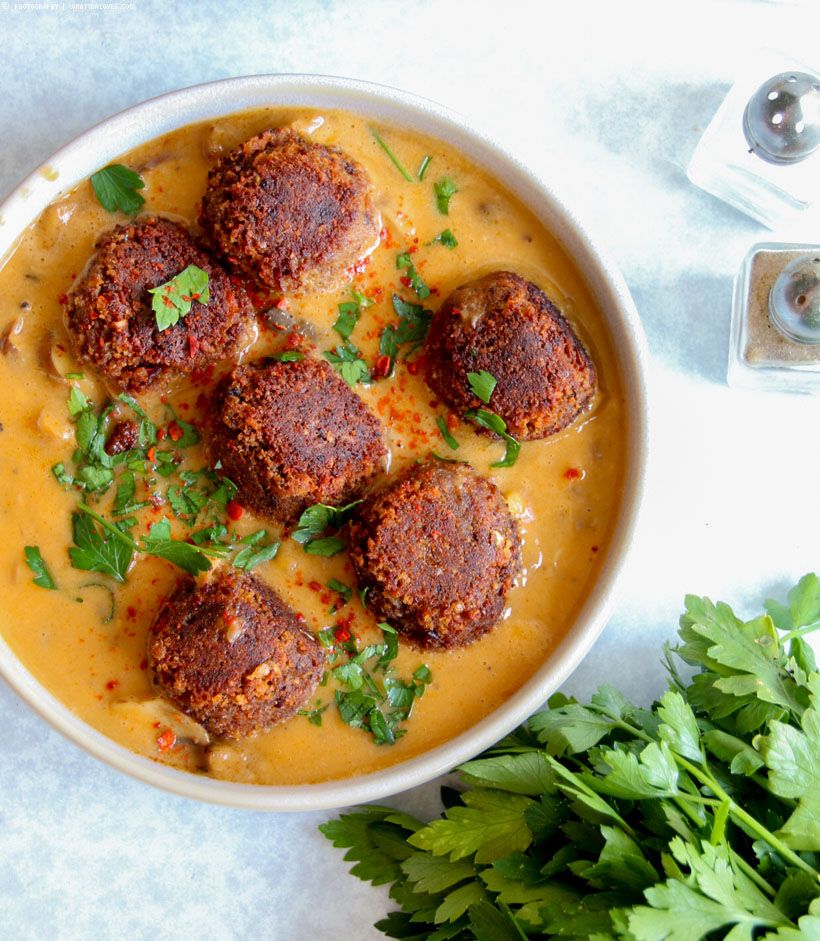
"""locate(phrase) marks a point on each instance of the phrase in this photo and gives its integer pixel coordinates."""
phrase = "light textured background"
(607, 100)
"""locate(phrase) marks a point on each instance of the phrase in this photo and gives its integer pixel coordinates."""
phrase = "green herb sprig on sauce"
(412, 327)
(200, 499)
(173, 299)
(314, 523)
(115, 187)
(370, 697)
(696, 818)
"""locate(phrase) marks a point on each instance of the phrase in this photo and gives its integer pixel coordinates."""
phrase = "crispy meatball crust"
(508, 327)
(438, 551)
(113, 326)
(232, 655)
(291, 434)
(290, 214)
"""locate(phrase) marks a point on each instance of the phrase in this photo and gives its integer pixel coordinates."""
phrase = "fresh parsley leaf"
(254, 555)
(115, 186)
(42, 576)
(391, 155)
(325, 546)
(496, 424)
(445, 189)
(604, 820)
(173, 299)
(412, 327)
(441, 421)
(159, 543)
(346, 360)
(447, 239)
(314, 716)
(287, 356)
(404, 261)
(482, 385)
(317, 518)
(109, 551)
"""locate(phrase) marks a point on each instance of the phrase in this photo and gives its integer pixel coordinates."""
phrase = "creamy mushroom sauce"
(565, 491)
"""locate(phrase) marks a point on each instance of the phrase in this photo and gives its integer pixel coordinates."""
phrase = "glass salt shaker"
(761, 151)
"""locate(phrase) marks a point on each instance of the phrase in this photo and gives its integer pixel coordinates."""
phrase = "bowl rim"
(117, 134)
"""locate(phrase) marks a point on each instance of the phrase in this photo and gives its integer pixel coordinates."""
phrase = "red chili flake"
(131, 611)
(314, 586)
(235, 510)
(572, 473)
(175, 431)
(413, 368)
(193, 346)
(156, 500)
(293, 340)
(594, 548)
(166, 741)
(382, 367)
(143, 664)
(112, 684)
(452, 421)
(342, 634)
(152, 454)
(406, 281)
(282, 304)
(160, 434)
(63, 298)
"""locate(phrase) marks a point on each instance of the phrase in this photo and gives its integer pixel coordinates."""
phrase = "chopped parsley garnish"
(483, 385)
(441, 421)
(497, 424)
(314, 716)
(349, 313)
(287, 356)
(315, 521)
(255, 551)
(115, 186)
(447, 239)
(42, 576)
(405, 261)
(108, 550)
(414, 322)
(367, 701)
(423, 168)
(194, 496)
(347, 360)
(391, 155)
(173, 299)
(345, 593)
(445, 189)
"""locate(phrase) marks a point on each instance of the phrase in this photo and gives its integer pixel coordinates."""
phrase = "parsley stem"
(739, 814)
(391, 155)
(751, 872)
(735, 811)
(118, 533)
(799, 632)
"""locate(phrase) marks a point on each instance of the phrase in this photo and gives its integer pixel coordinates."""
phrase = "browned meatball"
(508, 327)
(291, 434)
(437, 551)
(289, 213)
(232, 655)
(113, 326)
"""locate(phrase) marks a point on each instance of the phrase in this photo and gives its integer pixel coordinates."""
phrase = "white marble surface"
(608, 100)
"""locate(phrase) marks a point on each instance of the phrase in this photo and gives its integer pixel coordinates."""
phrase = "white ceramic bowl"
(108, 140)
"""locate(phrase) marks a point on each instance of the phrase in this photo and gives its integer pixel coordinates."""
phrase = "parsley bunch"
(697, 818)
